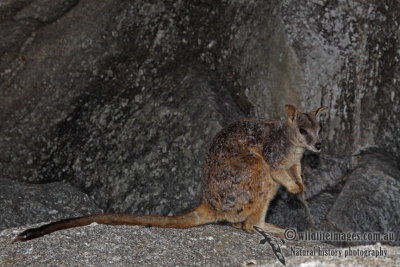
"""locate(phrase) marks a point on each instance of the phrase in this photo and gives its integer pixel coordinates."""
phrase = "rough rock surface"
(348, 52)
(213, 245)
(22, 204)
(370, 194)
(121, 98)
(118, 107)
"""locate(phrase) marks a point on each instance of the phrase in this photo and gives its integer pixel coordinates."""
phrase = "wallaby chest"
(293, 157)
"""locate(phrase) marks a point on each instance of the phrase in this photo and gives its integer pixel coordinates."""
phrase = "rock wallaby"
(246, 163)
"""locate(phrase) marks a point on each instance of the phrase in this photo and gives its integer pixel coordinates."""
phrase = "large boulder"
(369, 202)
(22, 204)
(121, 107)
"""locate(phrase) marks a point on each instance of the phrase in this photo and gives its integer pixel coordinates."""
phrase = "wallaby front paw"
(302, 187)
(297, 188)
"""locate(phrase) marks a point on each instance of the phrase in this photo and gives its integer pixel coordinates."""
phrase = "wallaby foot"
(238, 225)
(269, 228)
(273, 230)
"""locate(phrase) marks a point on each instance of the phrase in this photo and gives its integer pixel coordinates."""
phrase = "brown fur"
(246, 163)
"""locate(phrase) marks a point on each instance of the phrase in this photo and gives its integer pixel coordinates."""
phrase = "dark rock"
(22, 204)
(130, 108)
(19, 37)
(45, 10)
(288, 211)
(369, 200)
(148, 158)
(323, 172)
(319, 207)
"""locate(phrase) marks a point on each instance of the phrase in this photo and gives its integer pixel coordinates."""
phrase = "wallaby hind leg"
(266, 227)
(257, 218)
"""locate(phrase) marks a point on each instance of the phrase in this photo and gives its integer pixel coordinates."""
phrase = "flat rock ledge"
(211, 245)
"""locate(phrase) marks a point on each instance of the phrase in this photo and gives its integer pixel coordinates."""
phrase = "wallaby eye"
(303, 132)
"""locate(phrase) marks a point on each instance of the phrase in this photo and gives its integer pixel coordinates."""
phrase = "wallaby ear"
(291, 111)
(318, 111)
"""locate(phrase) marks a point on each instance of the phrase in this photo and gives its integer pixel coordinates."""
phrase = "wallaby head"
(304, 128)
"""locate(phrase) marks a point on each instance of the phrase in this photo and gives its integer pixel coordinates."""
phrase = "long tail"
(200, 215)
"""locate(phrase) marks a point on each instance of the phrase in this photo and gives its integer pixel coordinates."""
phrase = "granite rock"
(213, 245)
(22, 204)
(369, 200)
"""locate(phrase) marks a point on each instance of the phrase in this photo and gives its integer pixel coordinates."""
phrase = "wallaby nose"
(318, 145)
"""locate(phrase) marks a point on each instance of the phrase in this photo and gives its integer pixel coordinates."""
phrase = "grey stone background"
(120, 99)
